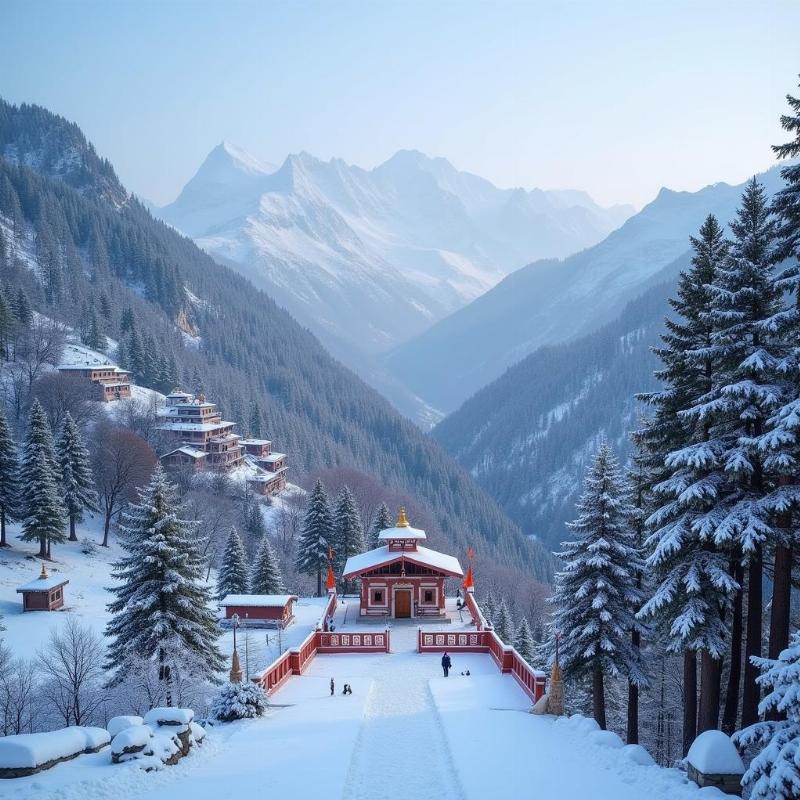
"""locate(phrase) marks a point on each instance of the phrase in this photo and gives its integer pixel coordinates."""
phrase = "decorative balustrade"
(354, 642)
(532, 682)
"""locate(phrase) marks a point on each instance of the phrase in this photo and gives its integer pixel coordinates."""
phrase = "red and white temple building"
(401, 578)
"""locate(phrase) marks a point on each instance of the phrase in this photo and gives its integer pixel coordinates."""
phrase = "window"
(427, 596)
(377, 597)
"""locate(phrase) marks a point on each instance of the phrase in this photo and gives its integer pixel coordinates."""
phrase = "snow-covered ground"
(404, 732)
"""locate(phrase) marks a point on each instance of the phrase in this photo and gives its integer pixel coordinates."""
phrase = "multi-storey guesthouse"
(203, 440)
(108, 381)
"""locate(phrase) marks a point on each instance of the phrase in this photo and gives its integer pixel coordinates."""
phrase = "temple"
(402, 579)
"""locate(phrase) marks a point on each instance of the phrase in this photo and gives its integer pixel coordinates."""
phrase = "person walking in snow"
(333, 687)
(446, 664)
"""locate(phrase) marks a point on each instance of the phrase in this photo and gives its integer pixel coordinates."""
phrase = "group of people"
(346, 690)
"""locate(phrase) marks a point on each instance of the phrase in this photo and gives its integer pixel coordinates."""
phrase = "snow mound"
(31, 750)
(606, 739)
(198, 732)
(131, 739)
(638, 755)
(713, 753)
(119, 724)
(169, 716)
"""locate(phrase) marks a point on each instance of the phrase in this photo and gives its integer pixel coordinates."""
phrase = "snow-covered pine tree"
(266, 577)
(77, 480)
(255, 419)
(382, 521)
(596, 593)
(9, 475)
(316, 535)
(348, 532)
(690, 576)
(161, 609)
(774, 774)
(523, 641)
(746, 393)
(505, 624)
(782, 439)
(43, 513)
(233, 572)
(488, 607)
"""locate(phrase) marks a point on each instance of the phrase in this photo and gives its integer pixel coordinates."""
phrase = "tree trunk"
(599, 696)
(633, 700)
(750, 693)
(106, 527)
(319, 580)
(42, 547)
(779, 617)
(3, 542)
(72, 536)
(710, 670)
(689, 699)
(731, 712)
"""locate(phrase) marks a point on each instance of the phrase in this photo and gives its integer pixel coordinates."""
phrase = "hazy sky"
(618, 98)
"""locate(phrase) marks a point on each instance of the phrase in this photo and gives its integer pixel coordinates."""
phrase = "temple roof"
(44, 583)
(380, 556)
(402, 533)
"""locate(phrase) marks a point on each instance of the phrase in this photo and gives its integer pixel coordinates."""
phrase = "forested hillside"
(529, 436)
(94, 257)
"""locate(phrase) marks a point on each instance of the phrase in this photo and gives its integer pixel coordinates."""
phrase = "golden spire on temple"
(402, 520)
(43, 574)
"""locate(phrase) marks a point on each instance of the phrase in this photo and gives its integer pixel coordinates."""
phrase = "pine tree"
(744, 396)
(316, 535)
(505, 624)
(348, 532)
(595, 592)
(266, 577)
(382, 521)
(774, 774)
(161, 611)
(255, 420)
(233, 572)
(77, 481)
(489, 608)
(781, 441)
(523, 641)
(43, 511)
(692, 585)
(9, 475)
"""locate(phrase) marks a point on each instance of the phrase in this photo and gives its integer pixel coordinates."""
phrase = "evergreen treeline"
(110, 269)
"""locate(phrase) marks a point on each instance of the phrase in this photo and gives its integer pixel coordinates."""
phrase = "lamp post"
(236, 670)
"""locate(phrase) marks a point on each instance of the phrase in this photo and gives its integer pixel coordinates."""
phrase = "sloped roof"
(258, 600)
(406, 532)
(43, 584)
(372, 559)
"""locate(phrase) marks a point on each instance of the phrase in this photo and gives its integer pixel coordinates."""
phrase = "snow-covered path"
(401, 726)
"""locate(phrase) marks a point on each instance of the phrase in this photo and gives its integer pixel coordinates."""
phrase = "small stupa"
(555, 693)
(236, 668)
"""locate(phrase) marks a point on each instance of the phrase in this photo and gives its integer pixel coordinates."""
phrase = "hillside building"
(401, 578)
(108, 380)
(203, 440)
(45, 593)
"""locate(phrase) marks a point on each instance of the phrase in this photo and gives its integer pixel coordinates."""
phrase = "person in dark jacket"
(333, 687)
(446, 664)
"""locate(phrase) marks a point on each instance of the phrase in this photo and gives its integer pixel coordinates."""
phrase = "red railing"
(294, 661)
(532, 682)
(354, 642)
(472, 606)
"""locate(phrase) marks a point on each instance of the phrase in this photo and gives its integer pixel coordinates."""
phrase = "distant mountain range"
(555, 301)
(368, 259)
(247, 352)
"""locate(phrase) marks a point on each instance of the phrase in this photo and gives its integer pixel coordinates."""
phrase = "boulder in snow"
(714, 761)
(130, 741)
(118, 724)
(169, 716)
